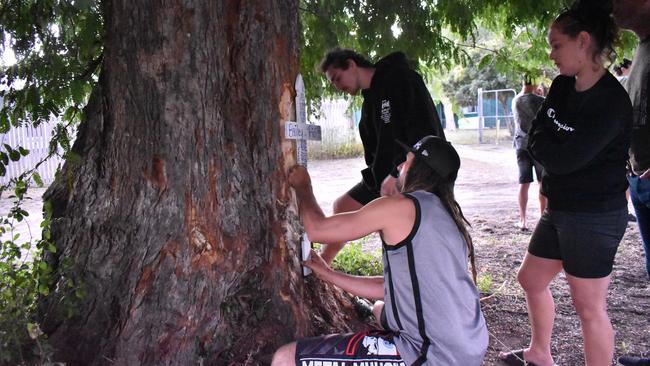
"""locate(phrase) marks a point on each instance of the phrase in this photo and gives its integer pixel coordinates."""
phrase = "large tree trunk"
(177, 218)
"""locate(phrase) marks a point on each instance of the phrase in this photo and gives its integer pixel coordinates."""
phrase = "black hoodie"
(396, 106)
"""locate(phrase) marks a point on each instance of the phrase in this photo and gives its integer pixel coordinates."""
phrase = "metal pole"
(496, 106)
(480, 115)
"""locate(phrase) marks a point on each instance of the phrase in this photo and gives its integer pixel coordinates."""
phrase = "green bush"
(353, 260)
(24, 278)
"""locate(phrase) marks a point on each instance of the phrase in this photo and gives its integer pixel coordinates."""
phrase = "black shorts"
(585, 242)
(383, 320)
(362, 194)
(526, 165)
(374, 347)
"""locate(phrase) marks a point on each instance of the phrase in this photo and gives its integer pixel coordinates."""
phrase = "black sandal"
(514, 358)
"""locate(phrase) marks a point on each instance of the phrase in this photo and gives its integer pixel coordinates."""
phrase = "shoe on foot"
(521, 226)
(514, 358)
(633, 361)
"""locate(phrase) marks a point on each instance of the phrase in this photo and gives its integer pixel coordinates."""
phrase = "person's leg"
(285, 355)
(640, 196)
(540, 265)
(345, 203)
(589, 242)
(535, 275)
(377, 310)
(590, 300)
(523, 202)
(525, 165)
(643, 221)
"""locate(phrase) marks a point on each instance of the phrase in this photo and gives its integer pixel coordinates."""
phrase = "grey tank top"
(431, 301)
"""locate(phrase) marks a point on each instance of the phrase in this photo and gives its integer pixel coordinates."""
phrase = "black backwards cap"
(437, 153)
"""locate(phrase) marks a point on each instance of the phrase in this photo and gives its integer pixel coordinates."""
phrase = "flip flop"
(514, 358)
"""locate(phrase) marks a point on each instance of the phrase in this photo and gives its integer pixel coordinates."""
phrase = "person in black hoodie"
(396, 105)
(581, 136)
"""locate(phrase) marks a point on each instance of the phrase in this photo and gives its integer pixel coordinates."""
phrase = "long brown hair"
(595, 18)
(422, 177)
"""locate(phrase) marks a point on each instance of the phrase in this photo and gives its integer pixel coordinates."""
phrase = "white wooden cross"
(301, 131)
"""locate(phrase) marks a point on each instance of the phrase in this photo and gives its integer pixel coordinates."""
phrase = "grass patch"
(354, 261)
(484, 283)
(330, 149)
(320, 150)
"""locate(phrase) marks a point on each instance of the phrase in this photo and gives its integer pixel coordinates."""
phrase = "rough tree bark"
(177, 217)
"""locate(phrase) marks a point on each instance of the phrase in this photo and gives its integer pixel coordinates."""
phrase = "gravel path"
(487, 181)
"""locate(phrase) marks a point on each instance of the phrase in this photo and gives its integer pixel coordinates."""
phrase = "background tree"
(463, 81)
(495, 40)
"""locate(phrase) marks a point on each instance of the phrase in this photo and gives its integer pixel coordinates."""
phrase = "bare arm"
(310, 212)
(371, 287)
(392, 216)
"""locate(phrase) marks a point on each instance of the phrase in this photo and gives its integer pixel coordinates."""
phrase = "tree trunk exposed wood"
(178, 220)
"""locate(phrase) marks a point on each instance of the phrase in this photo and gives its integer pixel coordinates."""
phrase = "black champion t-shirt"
(582, 140)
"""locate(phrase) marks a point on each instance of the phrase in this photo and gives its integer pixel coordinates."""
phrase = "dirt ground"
(487, 192)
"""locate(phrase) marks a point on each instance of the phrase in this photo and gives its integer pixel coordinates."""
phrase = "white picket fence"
(336, 119)
(36, 140)
(338, 127)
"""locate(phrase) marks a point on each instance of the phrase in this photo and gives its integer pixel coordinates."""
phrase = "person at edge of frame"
(635, 16)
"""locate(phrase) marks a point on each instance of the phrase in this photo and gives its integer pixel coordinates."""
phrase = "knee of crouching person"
(285, 355)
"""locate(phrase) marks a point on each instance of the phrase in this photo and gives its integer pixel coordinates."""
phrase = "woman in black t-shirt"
(580, 136)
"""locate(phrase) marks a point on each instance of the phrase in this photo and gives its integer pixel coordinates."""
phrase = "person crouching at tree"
(432, 313)
(581, 136)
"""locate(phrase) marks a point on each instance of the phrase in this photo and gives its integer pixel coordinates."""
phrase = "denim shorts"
(585, 242)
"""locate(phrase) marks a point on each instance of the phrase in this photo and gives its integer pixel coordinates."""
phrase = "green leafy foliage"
(25, 276)
(353, 260)
(493, 41)
(58, 46)
(376, 28)
(464, 81)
